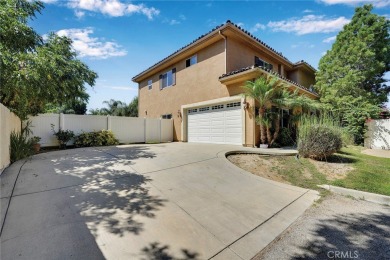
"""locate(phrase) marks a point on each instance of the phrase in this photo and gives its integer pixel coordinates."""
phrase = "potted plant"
(63, 136)
(35, 143)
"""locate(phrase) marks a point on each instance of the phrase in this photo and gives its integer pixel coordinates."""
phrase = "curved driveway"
(160, 201)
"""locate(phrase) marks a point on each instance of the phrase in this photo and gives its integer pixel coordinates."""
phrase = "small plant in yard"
(319, 137)
(63, 136)
(20, 145)
(286, 137)
(35, 143)
(100, 138)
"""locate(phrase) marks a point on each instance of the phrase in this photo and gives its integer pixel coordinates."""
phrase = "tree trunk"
(262, 126)
(269, 135)
(277, 129)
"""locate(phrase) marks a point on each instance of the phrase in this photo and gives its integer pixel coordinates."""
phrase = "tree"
(354, 68)
(34, 71)
(271, 96)
(117, 108)
(132, 108)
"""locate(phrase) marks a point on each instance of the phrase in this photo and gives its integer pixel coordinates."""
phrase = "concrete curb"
(372, 197)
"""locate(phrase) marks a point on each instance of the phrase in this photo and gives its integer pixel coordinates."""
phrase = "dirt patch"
(260, 165)
(333, 170)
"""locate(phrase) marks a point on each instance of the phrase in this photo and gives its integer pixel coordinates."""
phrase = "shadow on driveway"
(360, 236)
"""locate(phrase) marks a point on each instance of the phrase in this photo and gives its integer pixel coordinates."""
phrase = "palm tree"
(115, 107)
(267, 91)
(270, 92)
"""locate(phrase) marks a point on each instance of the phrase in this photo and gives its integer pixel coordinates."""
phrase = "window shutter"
(161, 83)
(174, 76)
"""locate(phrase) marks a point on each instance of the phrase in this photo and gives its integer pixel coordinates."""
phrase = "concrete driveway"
(161, 201)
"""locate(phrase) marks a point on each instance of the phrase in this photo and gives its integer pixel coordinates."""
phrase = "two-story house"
(200, 86)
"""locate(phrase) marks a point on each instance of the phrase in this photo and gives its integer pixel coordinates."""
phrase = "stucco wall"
(302, 77)
(241, 55)
(197, 83)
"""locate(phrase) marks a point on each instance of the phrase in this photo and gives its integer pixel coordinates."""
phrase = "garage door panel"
(216, 126)
(233, 131)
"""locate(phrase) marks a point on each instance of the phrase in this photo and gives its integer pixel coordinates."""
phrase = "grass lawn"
(371, 173)
(349, 168)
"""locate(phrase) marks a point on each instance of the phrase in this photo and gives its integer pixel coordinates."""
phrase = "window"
(204, 109)
(191, 111)
(285, 118)
(191, 61)
(217, 107)
(235, 104)
(166, 116)
(168, 79)
(260, 63)
(150, 84)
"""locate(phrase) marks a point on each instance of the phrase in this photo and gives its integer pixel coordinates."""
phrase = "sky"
(118, 39)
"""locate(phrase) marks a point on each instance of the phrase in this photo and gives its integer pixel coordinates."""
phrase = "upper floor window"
(191, 61)
(168, 79)
(261, 63)
(150, 82)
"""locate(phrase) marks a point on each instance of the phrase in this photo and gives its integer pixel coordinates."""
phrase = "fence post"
(62, 122)
(160, 129)
(144, 129)
(108, 122)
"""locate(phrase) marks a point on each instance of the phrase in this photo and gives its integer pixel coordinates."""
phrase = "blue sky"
(118, 38)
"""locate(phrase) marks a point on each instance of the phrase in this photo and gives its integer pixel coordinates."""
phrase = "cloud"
(124, 88)
(79, 14)
(114, 8)
(240, 24)
(257, 27)
(307, 11)
(87, 46)
(309, 24)
(303, 45)
(183, 17)
(174, 22)
(376, 3)
(329, 39)
(49, 1)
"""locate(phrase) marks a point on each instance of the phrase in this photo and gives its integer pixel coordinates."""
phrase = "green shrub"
(63, 136)
(101, 138)
(286, 137)
(20, 145)
(318, 138)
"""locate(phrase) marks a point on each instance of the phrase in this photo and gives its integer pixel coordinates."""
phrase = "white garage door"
(220, 124)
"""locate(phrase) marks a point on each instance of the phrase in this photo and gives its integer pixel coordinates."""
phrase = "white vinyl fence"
(8, 122)
(378, 134)
(126, 129)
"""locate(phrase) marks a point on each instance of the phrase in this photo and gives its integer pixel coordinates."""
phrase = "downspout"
(224, 37)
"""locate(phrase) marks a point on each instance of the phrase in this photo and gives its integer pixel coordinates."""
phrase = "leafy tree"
(77, 105)
(34, 71)
(132, 108)
(118, 108)
(272, 96)
(353, 70)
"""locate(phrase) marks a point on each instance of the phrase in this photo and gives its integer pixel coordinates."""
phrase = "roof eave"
(253, 72)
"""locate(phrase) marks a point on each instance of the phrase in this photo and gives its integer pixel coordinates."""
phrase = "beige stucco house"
(200, 86)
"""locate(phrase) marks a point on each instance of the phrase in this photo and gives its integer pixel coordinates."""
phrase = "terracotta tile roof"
(304, 62)
(215, 29)
(231, 73)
